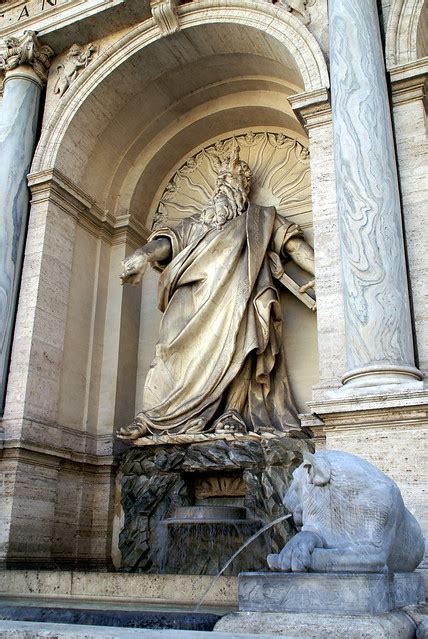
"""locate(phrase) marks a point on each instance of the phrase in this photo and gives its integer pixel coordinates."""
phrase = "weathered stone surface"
(393, 625)
(115, 587)
(32, 630)
(336, 594)
(422, 629)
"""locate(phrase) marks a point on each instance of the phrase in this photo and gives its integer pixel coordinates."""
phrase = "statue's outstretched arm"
(134, 266)
(302, 254)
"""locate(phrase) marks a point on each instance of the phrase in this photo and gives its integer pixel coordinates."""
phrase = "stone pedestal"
(391, 625)
(325, 605)
(329, 593)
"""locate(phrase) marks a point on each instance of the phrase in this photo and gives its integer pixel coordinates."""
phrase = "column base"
(381, 376)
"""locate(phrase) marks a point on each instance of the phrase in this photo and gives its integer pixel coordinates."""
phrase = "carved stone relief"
(77, 58)
(296, 7)
(281, 177)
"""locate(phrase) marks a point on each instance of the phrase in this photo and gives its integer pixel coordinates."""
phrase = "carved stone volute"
(164, 13)
(26, 50)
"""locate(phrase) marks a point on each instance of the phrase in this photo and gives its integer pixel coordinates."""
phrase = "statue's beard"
(227, 203)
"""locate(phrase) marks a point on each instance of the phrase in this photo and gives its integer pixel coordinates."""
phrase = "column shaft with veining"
(377, 312)
(25, 63)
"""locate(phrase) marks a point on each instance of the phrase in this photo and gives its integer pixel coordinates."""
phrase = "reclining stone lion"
(351, 517)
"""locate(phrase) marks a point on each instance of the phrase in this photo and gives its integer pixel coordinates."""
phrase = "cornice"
(341, 402)
(409, 82)
(313, 108)
(52, 185)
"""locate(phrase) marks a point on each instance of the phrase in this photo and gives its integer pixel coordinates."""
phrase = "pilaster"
(314, 111)
(73, 466)
(409, 84)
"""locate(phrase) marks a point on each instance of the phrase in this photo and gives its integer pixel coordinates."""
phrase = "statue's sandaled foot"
(229, 423)
(195, 426)
(133, 431)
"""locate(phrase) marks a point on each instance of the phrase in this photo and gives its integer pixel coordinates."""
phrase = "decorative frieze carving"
(77, 59)
(164, 13)
(26, 50)
(281, 177)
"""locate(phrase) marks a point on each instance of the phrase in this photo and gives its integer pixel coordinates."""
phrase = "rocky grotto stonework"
(158, 482)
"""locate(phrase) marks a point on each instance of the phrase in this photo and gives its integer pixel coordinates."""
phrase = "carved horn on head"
(234, 157)
(318, 468)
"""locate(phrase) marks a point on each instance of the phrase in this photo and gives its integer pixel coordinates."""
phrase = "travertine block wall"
(57, 467)
(394, 440)
(315, 112)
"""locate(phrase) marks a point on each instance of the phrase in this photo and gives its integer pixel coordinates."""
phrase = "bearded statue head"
(235, 171)
(230, 198)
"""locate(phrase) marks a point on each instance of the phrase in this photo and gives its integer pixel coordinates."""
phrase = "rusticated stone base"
(244, 472)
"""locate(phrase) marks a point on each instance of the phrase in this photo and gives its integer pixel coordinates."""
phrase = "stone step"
(32, 630)
(122, 588)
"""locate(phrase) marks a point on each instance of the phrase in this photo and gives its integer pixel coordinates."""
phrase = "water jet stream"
(244, 545)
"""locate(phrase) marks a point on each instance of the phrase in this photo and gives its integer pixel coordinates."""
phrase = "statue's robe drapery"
(221, 331)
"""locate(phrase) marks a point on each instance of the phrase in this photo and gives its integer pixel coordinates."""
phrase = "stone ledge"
(30, 630)
(117, 587)
(393, 625)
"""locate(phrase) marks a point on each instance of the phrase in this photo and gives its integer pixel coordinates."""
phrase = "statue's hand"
(307, 286)
(133, 269)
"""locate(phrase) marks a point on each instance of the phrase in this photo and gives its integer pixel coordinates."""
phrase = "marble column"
(378, 329)
(25, 63)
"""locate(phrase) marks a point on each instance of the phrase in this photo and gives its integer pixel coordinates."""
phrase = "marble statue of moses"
(219, 363)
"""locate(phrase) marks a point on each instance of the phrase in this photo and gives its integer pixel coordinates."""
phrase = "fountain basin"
(209, 514)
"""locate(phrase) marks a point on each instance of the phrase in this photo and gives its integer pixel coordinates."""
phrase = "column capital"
(26, 50)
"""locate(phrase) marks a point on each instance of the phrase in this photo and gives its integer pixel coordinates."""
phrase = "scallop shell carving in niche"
(281, 178)
(219, 487)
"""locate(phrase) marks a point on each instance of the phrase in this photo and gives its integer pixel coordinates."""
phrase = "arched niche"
(407, 32)
(143, 107)
(281, 176)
